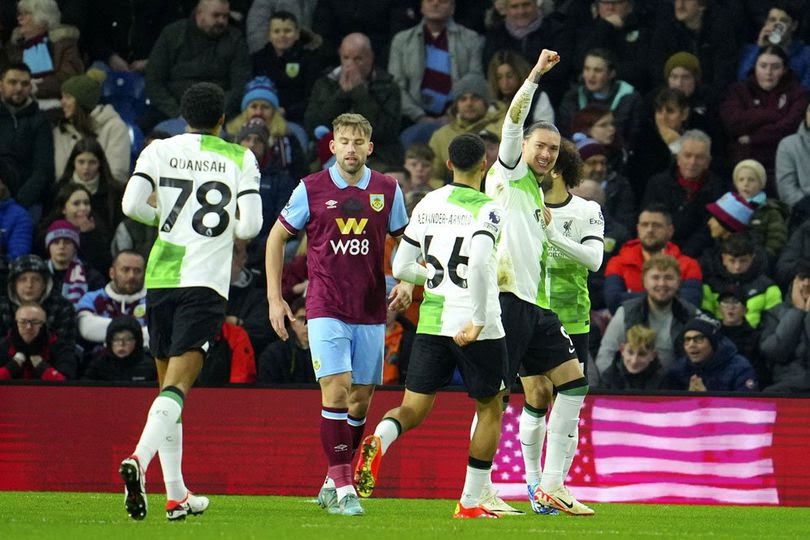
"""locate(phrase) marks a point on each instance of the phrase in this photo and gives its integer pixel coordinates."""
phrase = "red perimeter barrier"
(266, 441)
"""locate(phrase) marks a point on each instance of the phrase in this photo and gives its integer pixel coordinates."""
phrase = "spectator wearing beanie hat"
(769, 222)
(472, 111)
(29, 280)
(281, 164)
(123, 357)
(620, 200)
(682, 71)
(71, 277)
(729, 214)
(84, 117)
(260, 100)
(710, 361)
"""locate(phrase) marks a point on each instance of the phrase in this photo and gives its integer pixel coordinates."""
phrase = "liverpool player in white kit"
(454, 230)
(537, 343)
(207, 193)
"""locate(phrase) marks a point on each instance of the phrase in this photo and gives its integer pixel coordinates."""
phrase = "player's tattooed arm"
(519, 108)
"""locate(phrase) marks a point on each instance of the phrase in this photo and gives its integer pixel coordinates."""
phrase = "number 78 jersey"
(197, 179)
(443, 224)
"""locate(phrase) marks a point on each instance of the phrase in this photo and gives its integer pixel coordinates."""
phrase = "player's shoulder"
(315, 177)
(225, 149)
(591, 207)
(464, 196)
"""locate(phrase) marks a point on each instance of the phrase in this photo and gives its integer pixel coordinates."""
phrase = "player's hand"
(547, 60)
(279, 311)
(401, 296)
(468, 334)
(19, 358)
(36, 360)
(696, 384)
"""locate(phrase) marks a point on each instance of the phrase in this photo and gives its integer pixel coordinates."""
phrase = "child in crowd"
(123, 357)
(71, 276)
(637, 367)
(285, 60)
(418, 163)
(739, 264)
(732, 311)
(769, 222)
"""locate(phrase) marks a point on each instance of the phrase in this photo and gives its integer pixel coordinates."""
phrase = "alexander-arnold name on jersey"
(197, 165)
(443, 218)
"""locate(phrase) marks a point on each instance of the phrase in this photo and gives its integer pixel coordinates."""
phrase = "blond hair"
(661, 261)
(640, 337)
(354, 122)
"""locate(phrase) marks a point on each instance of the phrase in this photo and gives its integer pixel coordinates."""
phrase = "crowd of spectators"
(692, 118)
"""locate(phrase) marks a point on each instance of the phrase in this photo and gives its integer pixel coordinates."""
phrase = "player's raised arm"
(512, 133)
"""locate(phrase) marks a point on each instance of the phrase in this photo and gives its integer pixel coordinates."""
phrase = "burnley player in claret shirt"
(346, 211)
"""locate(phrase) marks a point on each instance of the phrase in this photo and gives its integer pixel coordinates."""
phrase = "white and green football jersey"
(577, 220)
(522, 249)
(443, 224)
(197, 179)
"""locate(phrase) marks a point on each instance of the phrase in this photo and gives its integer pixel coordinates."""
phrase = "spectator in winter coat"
(796, 250)
(72, 277)
(702, 28)
(26, 141)
(123, 295)
(29, 280)
(600, 84)
(16, 227)
(685, 189)
(760, 111)
(785, 338)
(31, 351)
(288, 60)
(623, 274)
(738, 263)
(793, 171)
(122, 359)
(49, 48)
(637, 367)
(83, 116)
(659, 308)
(620, 200)
(357, 86)
(769, 221)
(711, 362)
(734, 326)
(426, 61)
(199, 48)
(785, 16)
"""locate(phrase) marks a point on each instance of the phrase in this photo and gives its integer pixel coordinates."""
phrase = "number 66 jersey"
(442, 225)
(198, 179)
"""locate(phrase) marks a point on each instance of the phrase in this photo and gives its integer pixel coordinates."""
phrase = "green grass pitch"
(36, 515)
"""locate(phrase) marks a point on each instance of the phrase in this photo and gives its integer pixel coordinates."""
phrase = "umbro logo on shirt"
(331, 204)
